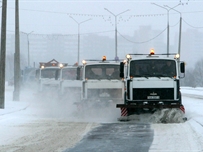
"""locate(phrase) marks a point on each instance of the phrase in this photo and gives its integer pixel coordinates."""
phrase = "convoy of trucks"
(142, 83)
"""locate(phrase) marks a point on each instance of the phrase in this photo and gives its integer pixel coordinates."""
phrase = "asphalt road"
(116, 137)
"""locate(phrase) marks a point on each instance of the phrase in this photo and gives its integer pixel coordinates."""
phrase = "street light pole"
(17, 74)
(116, 56)
(167, 23)
(28, 44)
(3, 54)
(180, 29)
(79, 23)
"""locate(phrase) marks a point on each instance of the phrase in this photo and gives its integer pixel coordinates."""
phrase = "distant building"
(64, 48)
(191, 47)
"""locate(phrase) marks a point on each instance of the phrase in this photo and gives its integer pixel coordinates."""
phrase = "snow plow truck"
(152, 83)
(46, 76)
(101, 84)
(71, 82)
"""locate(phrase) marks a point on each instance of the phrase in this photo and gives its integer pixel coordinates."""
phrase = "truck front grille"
(104, 93)
(72, 89)
(162, 93)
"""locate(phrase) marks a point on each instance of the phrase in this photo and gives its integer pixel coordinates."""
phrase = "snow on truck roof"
(152, 54)
(103, 63)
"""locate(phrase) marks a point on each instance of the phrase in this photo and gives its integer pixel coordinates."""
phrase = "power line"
(93, 15)
(142, 41)
(61, 36)
(175, 24)
(109, 17)
(192, 12)
(100, 15)
(100, 32)
(58, 35)
(191, 25)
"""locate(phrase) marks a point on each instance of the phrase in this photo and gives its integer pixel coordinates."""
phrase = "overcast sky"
(53, 16)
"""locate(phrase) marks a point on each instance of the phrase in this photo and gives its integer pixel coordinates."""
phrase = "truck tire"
(125, 101)
(180, 99)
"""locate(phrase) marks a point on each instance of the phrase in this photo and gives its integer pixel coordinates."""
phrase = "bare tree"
(9, 66)
(198, 73)
(189, 79)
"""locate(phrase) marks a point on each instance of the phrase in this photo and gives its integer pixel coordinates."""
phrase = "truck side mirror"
(121, 70)
(56, 74)
(36, 73)
(22, 72)
(182, 67)
(78, 73)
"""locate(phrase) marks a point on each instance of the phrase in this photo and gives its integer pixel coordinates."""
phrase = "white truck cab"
(152, 81)
(101, 81)
(71, 81)
(46, 75)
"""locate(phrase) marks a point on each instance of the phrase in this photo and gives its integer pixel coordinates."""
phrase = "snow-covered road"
(31, 125)
(184, 137)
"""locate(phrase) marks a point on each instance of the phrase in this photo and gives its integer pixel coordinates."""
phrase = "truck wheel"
(125, 101)
(180, 99)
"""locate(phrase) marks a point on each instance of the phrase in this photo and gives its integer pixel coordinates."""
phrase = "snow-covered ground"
(182, 137)
(34, 124)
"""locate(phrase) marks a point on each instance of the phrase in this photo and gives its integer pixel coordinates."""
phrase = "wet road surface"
(116, 137)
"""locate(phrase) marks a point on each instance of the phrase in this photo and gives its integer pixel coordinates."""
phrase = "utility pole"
(116, 46)
(180, 30)
(180, 35)
(17, 71)
(28, 47)
(167, 23)
(3, 54)
(79, 36)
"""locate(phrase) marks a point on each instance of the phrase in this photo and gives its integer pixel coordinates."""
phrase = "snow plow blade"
(148, 106)
(156, 113)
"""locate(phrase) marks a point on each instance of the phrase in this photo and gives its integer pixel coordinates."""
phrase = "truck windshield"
(48, 73)
(153, 68)
(102, 71)
(69, 73)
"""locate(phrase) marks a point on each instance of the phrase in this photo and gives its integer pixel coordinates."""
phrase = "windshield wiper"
(141, 75)
(164, 75)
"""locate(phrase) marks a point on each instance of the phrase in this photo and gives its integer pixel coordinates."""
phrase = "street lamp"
(116, 56)
(79, 35)
(180, 29)
(167, 23)
(28, 45)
